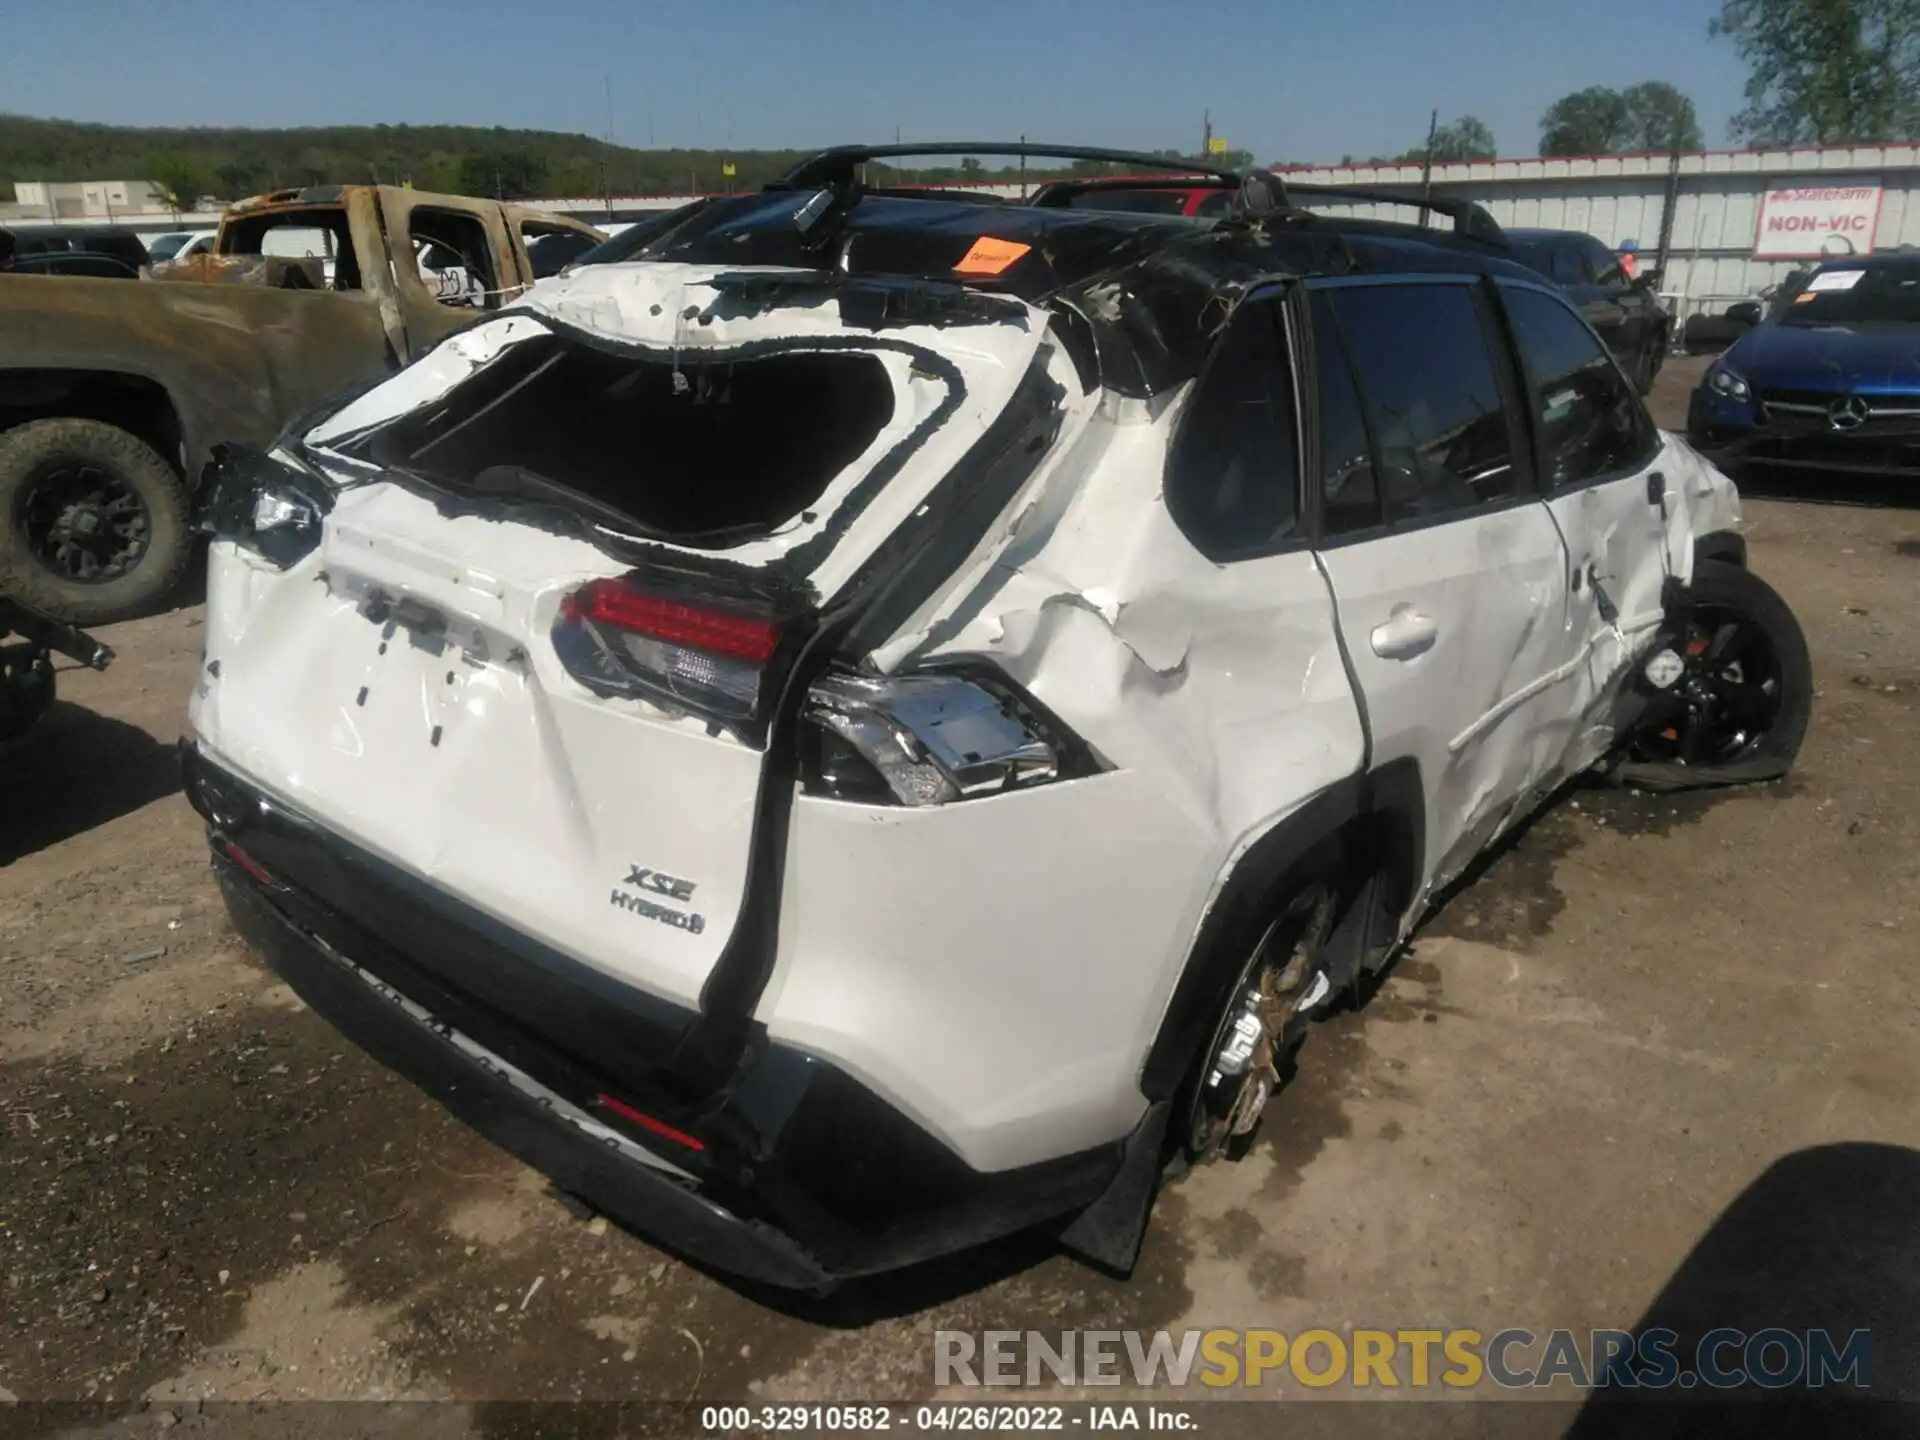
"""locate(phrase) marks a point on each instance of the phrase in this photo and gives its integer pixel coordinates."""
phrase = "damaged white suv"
(876, 720)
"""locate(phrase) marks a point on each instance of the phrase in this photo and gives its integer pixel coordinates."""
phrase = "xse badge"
(656, 882)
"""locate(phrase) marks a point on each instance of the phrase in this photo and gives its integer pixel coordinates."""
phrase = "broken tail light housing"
(930, 738)
(264, 503)
(706, 657)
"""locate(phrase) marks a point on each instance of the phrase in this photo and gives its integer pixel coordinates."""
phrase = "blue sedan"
(1831, 381)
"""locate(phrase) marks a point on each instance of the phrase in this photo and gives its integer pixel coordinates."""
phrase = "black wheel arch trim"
(1728, 546)
(1382, 810)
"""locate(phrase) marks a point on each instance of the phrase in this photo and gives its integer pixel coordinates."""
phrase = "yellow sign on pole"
(727, 169)
(1217, 145)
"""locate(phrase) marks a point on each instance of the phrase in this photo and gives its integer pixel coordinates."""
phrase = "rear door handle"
(1404, 634)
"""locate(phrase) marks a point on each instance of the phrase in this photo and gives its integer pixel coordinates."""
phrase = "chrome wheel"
(1284, 983)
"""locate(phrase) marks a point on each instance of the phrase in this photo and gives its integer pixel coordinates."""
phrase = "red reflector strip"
(647, 1122)
(247, 863)
(720, 632)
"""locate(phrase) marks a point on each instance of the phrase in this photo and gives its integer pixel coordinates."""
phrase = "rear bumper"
(787, 1171)
(517, 1117)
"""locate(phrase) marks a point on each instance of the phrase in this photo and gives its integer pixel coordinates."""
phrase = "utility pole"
(1023, 167)
(606, 152)
(1669, 209)
(1426, 168)
(1206, 138)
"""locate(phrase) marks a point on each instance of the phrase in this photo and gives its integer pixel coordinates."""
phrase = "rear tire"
(1760, 703)
(57, 476)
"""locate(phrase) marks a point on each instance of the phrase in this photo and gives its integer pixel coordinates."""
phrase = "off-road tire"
(26, 451)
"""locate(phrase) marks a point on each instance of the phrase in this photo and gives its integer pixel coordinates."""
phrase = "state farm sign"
(1809, 222)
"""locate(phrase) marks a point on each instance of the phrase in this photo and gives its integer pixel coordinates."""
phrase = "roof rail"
(1469, 218)
(837, 165)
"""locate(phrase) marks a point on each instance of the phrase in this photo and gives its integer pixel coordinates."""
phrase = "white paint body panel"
(537, 797)
(1007, 963)
(1477, 709)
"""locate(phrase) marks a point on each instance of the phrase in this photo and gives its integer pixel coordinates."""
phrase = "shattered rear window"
(714, 451)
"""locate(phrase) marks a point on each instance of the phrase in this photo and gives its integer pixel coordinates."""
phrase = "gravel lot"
(1587, 1055)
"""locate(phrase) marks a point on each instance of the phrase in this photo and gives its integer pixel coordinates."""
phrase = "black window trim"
(1505, 360)
(1276, 297)
(1536, 430)
(1311, 465)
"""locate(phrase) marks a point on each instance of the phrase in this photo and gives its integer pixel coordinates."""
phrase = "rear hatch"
(518, 619)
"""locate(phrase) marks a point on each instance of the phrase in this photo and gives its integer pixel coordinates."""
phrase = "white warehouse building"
(1741, 218)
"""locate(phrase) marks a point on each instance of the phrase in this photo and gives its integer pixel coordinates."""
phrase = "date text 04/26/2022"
(964, 1417)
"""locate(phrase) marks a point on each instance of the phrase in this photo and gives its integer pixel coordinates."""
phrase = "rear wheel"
(1250, 1050)
(1737, 708)
(93, 522)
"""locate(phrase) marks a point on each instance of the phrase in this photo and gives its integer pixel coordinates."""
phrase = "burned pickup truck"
(113, 394)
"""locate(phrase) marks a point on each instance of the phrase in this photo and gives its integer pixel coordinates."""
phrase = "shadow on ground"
(1823, 1242)
(73, 771)
(1829, 487)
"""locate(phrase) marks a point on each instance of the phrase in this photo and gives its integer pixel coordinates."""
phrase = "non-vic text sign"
(1810, 222)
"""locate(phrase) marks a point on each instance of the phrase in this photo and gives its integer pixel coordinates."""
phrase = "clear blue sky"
(1289, 81)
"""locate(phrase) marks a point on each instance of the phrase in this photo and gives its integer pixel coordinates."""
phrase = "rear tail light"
(706, 657)
(266, 503)
(930, 739)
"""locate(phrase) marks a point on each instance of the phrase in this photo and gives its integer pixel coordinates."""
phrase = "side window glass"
(1591, 422)
(1605, 266)
(551, 248)
(1232, 480)
(1349, 497)
(1567, 269)
(1438, 415)
(455, 259)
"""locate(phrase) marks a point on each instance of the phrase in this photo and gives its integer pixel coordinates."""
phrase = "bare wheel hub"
(1283, 984)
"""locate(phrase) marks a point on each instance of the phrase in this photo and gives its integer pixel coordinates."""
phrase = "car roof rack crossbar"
(1261, 190)
(1469, 217)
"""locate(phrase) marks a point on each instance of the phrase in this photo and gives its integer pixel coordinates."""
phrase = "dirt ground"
(1585, 1057)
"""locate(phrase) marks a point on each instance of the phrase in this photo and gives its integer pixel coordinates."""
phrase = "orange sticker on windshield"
(990, 256)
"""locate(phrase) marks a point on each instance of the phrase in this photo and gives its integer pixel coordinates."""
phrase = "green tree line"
(230, 163)
(471, 160)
